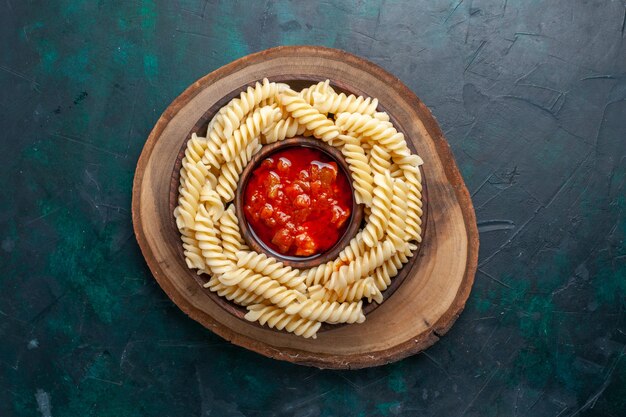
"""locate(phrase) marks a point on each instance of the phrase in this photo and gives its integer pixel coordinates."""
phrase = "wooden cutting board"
(436, 282)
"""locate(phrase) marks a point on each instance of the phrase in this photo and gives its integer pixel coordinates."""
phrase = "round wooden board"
(438, 280)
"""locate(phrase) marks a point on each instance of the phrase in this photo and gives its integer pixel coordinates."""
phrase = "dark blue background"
(532, 98)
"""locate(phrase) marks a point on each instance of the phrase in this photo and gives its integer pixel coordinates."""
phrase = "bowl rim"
(247, 231)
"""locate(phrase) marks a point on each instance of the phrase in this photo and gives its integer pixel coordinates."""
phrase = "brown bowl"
(253, 241)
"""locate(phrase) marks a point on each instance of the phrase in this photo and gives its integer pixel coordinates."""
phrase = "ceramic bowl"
(251, 238)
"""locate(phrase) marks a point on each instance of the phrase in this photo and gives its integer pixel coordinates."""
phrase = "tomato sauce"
(298, 202)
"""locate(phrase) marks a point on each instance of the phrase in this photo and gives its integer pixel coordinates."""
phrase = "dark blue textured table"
(532, 98)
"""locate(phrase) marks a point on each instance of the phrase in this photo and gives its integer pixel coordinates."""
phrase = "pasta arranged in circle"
(385, 177)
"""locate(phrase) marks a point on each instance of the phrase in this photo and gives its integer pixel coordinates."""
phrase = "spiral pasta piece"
(261, 285)
(229, 118)
(210, 244)
(308, 116)
(273, 100)
(229, 175)
(232, 242)
(378, 218)
(276, 317)
(189, 196)
(339, 103)
(212, 201)
(360, 170)
(396, 228)
(249, 130)
(414, 202)
(260, 263)
(234, 294)
(395, 171)
(380, 131)
(329, 312)
(194, 152)
(381, 115)
(380, 160)
(193, 177)
(355, 248)
(367, 148)
(283, 129)
(213, 153)
(191, 250)
(362, 266)
(383, 274)
(319, 274)
(185, 213)
(410, 163)
(209, 184)
(362, 288)
(323, 87)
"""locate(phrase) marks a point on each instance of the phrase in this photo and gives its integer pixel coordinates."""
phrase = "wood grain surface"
(439, 279)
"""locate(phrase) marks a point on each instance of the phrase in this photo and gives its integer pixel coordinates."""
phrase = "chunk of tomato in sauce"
(339, 215)
(302, 201)
(283, 239)
(305, 245)
(283, 165)
(328, 174)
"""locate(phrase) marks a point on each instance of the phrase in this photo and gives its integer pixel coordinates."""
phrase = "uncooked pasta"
(385, 177)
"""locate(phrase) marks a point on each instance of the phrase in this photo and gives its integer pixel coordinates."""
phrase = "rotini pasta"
(283, 129)
(378, 218)
(212, 201)
(232, 241)
(276, 317)
(385, 177)
(414, 201)
(248, 131)
(359, 168)
(361, 266)
(353, 250)
(340, 103)
(362, 288)
(319, 274)
(261, 285)
(389, 269)
(329, 312)
(260, 263)
(229, 175)
(210, 244)
(323, 87)
(234, 294)
(191, 250)
(193, 177)
(396, 228)
(380, 160)
(309, 116)
(229, 118)
(379, 131)
(213, 153)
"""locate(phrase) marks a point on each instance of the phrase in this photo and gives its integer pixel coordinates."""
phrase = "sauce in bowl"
(298, 202)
